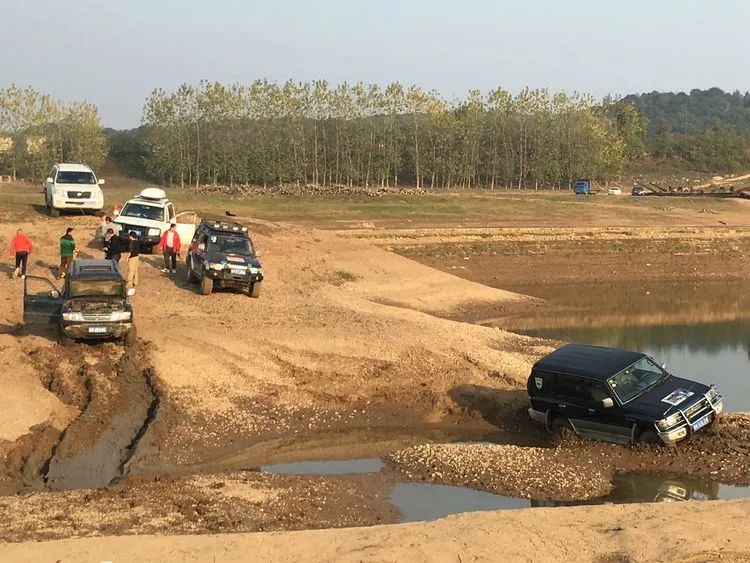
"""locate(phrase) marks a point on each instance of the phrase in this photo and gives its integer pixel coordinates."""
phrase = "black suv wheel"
(207, 285)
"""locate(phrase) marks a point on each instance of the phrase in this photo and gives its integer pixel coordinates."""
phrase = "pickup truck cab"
(582, 186)
(618, 396)
(94, 303)
(72, 186)
(149, 214)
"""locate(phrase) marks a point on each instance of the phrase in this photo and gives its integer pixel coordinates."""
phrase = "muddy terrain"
(364, 344)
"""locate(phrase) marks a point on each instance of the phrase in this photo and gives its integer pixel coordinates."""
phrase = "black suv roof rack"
(228, 226)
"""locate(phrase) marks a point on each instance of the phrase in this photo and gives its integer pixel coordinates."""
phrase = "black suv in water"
(93, 304)
(222, 254)
(618, 396)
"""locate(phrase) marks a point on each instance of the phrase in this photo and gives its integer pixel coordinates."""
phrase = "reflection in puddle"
(652, 487)
(421, 501)
(425, 501)
(338, 467)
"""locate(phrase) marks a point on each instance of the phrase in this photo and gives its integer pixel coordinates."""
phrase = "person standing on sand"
(170, 245)
(21, 247)
(67, 252)
(112, 246)
(134, 248)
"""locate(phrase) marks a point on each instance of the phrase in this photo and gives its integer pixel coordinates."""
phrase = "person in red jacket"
(170, 245)
(21, 246)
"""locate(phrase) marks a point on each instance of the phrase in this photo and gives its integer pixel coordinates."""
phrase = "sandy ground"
(347, 335)
(695, 532)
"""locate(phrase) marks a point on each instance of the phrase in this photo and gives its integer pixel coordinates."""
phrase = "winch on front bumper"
(693, 418)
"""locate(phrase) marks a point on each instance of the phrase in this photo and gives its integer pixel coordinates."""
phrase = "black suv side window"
(572, 388)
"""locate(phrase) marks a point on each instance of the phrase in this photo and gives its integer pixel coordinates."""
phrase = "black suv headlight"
(712, 394)
(669, 422)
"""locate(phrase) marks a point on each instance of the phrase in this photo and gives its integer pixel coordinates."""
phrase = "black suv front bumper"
(228, 278)
(96, 330)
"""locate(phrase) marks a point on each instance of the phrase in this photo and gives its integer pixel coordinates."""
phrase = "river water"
(700, 331)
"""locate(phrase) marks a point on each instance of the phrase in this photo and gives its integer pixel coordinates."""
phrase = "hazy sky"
(114, 53)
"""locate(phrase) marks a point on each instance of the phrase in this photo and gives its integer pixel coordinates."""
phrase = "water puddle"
(426, 501)
(337, 467)
(422, 501)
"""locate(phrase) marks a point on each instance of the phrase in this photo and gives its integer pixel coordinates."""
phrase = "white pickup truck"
(149, 214)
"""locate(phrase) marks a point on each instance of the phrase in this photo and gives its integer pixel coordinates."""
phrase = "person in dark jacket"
(67, 252)
(112, 246)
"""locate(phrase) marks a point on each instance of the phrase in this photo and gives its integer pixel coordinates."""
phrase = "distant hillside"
(694, 112)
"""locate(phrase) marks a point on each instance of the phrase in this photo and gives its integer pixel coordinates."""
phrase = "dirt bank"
(207, 504)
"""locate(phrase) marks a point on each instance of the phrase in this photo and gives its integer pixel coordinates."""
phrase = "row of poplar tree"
(37, 131)
(350, 134)
(359, 134)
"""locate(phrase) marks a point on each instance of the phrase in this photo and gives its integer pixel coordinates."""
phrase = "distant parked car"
(72, 186)
(582, 186)
(614, 190)
(638, 191)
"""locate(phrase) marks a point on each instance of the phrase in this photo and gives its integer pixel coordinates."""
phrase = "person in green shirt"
(67, 251)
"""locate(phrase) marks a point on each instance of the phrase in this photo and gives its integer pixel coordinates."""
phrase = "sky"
(114, 53)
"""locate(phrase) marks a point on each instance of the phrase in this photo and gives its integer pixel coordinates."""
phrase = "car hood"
(138, 222)
(671, 395)
(233, 259)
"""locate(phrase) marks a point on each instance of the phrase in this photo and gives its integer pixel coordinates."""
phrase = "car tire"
(54, 212)
(650, 437)
(130, 338)
(255, 291)
(207, 285)
(63, 339)
(190, 276)
(561, 426)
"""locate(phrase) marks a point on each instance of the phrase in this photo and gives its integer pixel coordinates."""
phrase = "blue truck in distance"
(582, 186)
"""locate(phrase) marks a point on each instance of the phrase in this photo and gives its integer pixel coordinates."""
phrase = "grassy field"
(477, 208)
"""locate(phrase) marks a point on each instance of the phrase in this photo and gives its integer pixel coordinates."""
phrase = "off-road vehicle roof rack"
(226, 226)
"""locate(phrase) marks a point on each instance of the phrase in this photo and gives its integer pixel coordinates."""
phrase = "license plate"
(97, 330)
(237, 272)
(702, 422)
(90, 202)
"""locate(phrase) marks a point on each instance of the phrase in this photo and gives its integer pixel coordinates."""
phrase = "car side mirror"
(608, 403)
(202, 247)
(101, 181)
(54, 294)
(48, 180)
(131, 291)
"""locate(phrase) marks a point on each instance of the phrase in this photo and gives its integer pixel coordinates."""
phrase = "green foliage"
(36, 131)
(266, 133)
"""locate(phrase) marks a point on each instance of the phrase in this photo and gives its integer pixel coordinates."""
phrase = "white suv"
(72, 186)
(149, 214)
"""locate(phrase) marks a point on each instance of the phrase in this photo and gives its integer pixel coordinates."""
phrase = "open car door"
(41, 302)
(187, 222)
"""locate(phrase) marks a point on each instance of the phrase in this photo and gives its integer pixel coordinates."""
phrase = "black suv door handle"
(592, 411)
(560, 406)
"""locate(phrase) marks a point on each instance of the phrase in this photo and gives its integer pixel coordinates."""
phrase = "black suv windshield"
(142, 211)
(230, 244)
(636, 379)
(69, 177)
(96, 288)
